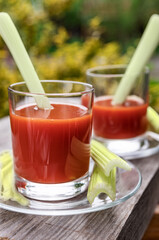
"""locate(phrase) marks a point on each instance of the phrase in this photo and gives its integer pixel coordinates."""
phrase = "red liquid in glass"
(52, 149)
(119, 122)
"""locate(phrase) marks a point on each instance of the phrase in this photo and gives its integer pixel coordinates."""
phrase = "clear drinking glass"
(121, 128)
(51, 148)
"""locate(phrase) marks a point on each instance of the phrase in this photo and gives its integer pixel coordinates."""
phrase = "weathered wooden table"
(128, 220)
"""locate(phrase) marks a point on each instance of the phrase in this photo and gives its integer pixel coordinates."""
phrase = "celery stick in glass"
(12, 39)
(144, 51)
(105, 159)
(100, 183)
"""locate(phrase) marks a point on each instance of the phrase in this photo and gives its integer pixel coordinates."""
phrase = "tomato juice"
(119, 121)
(52, 149)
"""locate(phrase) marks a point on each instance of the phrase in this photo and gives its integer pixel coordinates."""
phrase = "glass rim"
(86, 91)
(90, 73)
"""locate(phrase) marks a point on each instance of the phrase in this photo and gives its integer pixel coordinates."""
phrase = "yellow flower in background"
(95, 27)
(61, 37)
(95, 22)
(56, 7)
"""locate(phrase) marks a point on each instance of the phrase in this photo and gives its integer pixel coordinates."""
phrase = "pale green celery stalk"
(6, 191)
(144, 51)
(5, 158)
(12, 39)
(17, 197)
(100, 183)
(105, 159)
(7, 168)
(153, 118)
(7, 186)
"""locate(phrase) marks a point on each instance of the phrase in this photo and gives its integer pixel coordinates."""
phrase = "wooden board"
(152, 232)
(128, 220)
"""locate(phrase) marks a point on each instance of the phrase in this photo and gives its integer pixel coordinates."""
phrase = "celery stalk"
(7, 185)
(144, 51)
(5, 158)
(12, 39)
(9, 191)
(17, 197)
(103, 179)
(153, 118)
(7, 169)
(74, 161)
(100, 183)
(105, 159)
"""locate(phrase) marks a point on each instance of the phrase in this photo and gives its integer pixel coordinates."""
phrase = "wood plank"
(152, 232)
(139, 219)
(128, 220)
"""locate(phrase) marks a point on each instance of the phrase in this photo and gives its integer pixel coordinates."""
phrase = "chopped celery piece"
(5, 158)
(17, 197)
(7, 181)
(74, 161)
(103, 179)
(153, 118)
(7, 186)
(100, 183)
(105, 159)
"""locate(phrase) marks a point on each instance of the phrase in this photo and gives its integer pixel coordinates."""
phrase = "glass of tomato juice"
(122, 127)
(51, 147)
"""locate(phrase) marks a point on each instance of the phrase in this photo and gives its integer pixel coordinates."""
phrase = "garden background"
(65, 37)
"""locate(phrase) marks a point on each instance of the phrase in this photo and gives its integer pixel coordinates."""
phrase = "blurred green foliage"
(64, 38)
